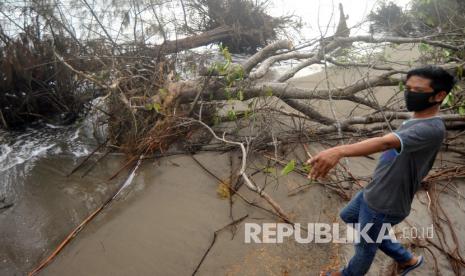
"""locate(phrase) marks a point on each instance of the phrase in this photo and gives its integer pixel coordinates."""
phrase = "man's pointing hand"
(323, 162)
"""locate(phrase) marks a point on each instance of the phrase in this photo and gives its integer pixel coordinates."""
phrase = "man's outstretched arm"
(327, 159)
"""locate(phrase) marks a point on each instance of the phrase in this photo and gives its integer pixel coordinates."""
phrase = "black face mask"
(417, 101)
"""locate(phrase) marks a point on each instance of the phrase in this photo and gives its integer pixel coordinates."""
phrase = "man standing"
(409, 153)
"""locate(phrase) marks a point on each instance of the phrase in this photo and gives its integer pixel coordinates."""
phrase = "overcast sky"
(357, 10)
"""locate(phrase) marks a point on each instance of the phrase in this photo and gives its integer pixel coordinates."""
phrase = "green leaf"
(232, 115)
(226, 54)
(462, 110)
(401, 86)
(163, 91)
(306, 167)
(227, 93)
(268, 91)
(448, 100)
(241, 95)
(423, 47)
(226, 66)
(211, 69)
(148, 106)
(221, 69)
(157, 107)
(430, 21)
(446, 53)
(289, 167)
(239, 72)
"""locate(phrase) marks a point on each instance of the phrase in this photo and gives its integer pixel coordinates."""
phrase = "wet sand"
(166, 223)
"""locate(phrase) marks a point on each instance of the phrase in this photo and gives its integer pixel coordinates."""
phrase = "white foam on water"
(54, 126)
(21, 151)
(75, 135)
(80, 151)
(4, 151)
(18, 148)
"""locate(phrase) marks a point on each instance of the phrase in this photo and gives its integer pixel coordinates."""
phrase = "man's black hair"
(441, 80)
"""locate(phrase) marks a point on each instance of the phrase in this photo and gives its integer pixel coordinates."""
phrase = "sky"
(308, 10)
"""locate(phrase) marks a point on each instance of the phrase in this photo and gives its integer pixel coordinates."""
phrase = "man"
(409, 153)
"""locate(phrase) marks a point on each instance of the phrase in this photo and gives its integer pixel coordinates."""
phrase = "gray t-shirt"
(398, 175)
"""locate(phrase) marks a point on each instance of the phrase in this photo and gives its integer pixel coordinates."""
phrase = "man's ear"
(439, 97)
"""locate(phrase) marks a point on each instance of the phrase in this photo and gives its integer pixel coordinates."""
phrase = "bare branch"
(399, 40)
(265, 53)
(265, 66)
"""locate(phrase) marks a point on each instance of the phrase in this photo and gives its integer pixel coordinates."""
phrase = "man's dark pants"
(357, 211)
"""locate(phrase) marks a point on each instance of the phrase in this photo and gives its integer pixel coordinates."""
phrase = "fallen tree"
(227, 81)
(34, 86)
(151, 111)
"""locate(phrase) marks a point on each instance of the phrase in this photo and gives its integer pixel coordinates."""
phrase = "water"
(44, 203)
